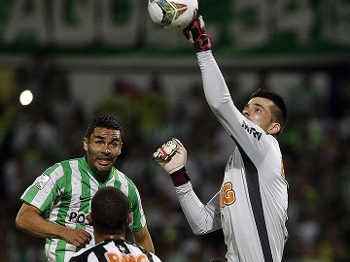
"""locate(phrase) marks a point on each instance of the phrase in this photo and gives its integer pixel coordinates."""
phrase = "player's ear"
(90, 219)
(128, 219)
(85, 143)
(274, 128)
(120, 149)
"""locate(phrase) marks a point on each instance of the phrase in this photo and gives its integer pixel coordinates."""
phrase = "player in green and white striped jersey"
(57, 204)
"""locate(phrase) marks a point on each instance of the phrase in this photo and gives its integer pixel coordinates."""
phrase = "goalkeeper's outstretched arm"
(172, 156)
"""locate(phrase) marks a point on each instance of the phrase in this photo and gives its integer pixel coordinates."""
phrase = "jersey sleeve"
(43, 191)
(201, 218)
(138, 215)
(248, 136)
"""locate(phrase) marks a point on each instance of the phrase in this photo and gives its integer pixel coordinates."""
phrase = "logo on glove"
(165, 151)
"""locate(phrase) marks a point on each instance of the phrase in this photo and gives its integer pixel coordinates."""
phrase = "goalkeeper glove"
(172, 156)
(196, 33)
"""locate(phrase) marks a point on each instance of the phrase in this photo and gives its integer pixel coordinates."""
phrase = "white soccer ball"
(173, 14)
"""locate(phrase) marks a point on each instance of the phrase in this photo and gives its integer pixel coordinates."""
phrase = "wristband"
(202, 43)
(180, 177)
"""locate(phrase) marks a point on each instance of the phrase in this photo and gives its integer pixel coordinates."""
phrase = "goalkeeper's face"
(259, 111)
(102, 150)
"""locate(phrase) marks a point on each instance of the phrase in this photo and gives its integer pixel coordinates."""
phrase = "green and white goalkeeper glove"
(172, 156)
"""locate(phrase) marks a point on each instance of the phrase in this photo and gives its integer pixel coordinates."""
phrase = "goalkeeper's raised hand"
(172, 156)
(197, 34)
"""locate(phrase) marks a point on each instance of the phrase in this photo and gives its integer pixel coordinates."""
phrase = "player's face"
(258, 110)
(102, 150)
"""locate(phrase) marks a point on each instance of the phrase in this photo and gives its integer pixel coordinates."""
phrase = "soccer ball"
(173, 14)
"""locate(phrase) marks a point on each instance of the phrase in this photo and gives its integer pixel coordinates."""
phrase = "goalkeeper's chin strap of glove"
(196, 33)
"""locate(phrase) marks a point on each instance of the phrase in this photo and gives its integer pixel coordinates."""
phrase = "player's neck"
(102, 237)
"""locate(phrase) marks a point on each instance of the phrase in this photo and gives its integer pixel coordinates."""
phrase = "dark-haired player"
(57, 204)
(110, 215)
(251, 206)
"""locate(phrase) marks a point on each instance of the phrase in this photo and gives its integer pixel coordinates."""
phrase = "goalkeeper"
(251, 207)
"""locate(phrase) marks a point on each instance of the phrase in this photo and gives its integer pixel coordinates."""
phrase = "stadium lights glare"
(26, 97)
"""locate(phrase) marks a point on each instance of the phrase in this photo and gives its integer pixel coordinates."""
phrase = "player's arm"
(139, 228)
(172, 156)
(143, 238)
(202, 218)
(214, 85)
(29, 220)
(249, 136)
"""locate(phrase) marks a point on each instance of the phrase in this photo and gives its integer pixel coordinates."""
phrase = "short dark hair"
(109, 208)
(104, 121)
(279, 111)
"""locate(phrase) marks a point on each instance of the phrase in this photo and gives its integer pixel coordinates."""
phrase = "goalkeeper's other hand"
(197, 34)
(172, 156)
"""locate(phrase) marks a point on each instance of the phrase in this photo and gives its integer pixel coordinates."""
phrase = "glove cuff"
(202, 43)
(180, 177)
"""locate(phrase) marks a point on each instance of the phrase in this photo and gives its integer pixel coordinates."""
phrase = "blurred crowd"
(315, 147)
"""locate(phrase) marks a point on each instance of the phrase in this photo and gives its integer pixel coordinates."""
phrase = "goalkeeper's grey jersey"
(63, 194)
(252, 205)
(114, 250)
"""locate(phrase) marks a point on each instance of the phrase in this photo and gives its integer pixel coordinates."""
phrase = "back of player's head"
(109, 209)
(279, 111)
(104, 121)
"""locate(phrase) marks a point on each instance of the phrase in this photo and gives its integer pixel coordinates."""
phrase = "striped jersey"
(112, 250)
(251, 207)
(63, 194)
